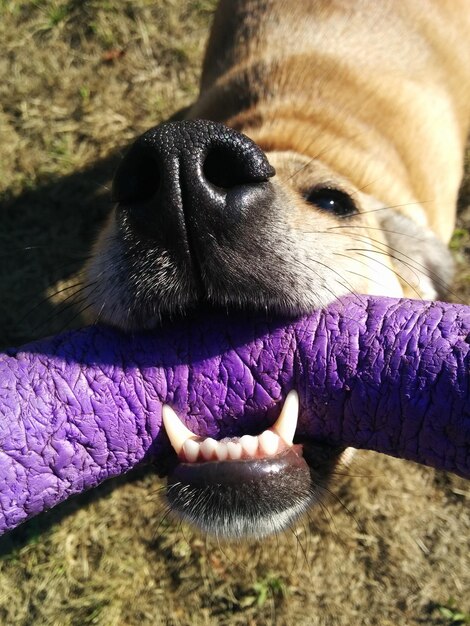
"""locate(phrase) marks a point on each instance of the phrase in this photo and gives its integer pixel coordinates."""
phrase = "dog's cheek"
(422, 263)
(422, 259)
(364, 255)
(336, 255)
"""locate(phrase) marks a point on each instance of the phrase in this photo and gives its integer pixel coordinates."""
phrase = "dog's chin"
(253, 498)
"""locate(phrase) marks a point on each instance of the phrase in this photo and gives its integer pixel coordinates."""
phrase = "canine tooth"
(191, 450)
(208, 448)
(175, 429)
(269, 442)
(249, 444)
(234, 450)
(286, 423)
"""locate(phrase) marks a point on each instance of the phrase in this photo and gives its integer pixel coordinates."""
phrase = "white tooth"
(286, 423)
(175, 429)
(208, 447)
(269, 442)
(234, 450)
(221, 451)
(191, 450)
(249, 445)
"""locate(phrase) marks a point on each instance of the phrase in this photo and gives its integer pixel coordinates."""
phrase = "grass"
(391, 547)
(451, 613)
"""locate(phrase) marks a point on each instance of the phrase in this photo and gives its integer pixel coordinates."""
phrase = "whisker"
(96, 321)
(347, 286)
(371, 280)
(302, 548)
(336, 497)
(365, 226)
(50, 297)
(387, 207)
(166, 514)
(78, 314)
(391, 269)
(411, 263)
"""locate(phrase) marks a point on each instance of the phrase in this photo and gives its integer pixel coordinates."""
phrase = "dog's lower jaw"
(235, 510)
(242, 499)
(248, 487)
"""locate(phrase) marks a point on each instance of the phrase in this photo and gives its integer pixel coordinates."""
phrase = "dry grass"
(79, 80)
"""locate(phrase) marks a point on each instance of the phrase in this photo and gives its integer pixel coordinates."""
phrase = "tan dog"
(363, 109)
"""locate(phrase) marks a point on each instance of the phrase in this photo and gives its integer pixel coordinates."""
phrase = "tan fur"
(378, 91)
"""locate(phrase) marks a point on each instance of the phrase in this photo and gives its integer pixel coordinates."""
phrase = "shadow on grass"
(35, 529)
(46, 235)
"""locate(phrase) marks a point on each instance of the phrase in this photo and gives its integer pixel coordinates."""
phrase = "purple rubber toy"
(375, 373)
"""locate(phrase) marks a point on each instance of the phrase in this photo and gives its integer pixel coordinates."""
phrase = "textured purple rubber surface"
(376, 373)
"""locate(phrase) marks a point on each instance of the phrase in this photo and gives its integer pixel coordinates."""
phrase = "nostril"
(137, 178)
(234, 164)
(223, 167)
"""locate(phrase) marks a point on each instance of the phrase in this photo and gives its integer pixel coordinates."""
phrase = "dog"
(323, 156)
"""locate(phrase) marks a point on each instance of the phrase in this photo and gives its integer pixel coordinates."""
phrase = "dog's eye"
(332, 200)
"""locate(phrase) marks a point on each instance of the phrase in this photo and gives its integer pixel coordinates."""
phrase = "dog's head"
(204, 219)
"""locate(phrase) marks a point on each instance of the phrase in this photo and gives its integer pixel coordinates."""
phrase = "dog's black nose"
(184, 182)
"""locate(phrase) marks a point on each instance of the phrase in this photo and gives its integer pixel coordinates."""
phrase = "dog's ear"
(423, 263)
